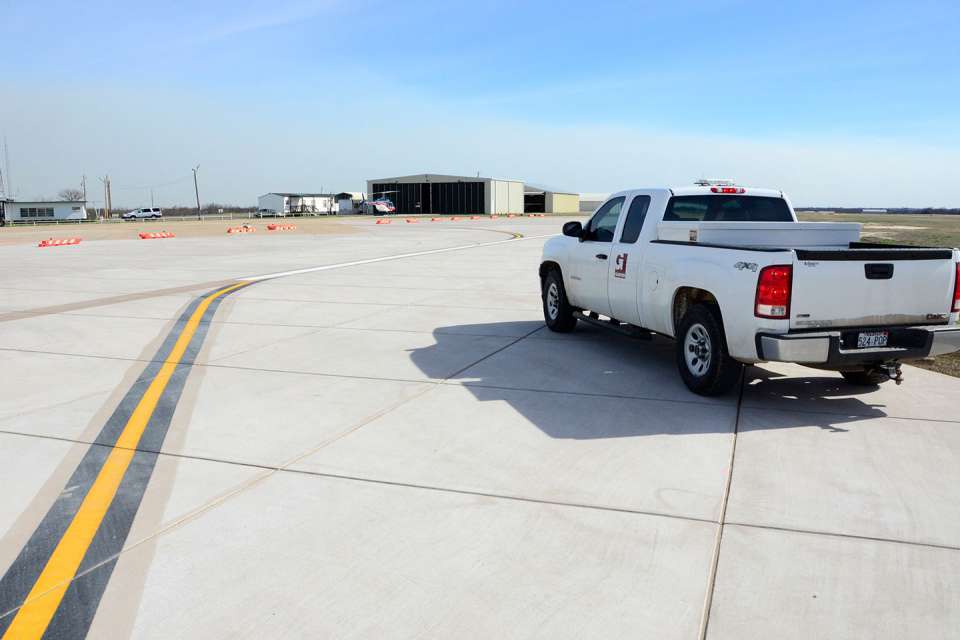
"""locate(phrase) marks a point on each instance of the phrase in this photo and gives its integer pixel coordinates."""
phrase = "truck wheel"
(865, 378)
(701, 347)
(557, 312)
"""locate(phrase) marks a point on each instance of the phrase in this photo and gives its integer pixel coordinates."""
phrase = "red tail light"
(773, 292)
(956, 290)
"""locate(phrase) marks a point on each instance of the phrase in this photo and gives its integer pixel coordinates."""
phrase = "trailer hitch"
(892, 371)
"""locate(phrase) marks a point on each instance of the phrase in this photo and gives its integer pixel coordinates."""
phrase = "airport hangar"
(537, 199)
(432, 193)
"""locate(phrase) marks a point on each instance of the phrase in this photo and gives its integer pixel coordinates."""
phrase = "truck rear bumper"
(834, 349)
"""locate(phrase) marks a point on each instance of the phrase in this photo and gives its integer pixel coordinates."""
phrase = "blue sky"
(845, 103)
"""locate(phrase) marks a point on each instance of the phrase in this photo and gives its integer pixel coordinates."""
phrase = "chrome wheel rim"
(553, 300)
(697, 349)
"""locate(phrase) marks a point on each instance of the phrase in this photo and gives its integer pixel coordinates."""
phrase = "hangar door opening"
(448, 198)
(534, 202)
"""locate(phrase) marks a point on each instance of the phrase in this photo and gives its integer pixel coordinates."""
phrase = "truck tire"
(701, 347)
(557, 312)
(864, 378)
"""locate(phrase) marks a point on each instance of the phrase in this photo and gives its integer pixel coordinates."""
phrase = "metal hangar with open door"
(432, 193)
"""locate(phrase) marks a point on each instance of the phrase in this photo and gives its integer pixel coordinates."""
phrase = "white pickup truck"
(732, 275)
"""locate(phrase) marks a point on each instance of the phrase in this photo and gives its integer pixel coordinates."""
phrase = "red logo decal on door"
(621, 269)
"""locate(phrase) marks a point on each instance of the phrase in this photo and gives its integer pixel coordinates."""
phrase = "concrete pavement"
(400, 449)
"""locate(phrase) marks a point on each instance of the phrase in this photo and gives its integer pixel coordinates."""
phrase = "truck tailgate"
(871, 287)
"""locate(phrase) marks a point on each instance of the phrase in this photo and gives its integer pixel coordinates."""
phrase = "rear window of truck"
(727, 208)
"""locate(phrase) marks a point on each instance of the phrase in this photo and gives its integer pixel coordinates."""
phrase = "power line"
(155, 186)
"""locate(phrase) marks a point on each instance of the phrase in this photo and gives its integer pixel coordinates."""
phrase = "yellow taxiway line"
(40, 605)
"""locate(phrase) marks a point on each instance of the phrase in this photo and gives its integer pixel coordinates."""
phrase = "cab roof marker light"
(727, 190)
(719, 182)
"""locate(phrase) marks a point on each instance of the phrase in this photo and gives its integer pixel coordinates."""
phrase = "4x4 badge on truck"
(740, 266)
(621, 269)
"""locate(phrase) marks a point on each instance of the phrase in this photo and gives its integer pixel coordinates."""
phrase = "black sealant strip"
(82, 598)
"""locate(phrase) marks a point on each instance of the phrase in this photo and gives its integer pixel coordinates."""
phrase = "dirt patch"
(948, 364)
(181, 228)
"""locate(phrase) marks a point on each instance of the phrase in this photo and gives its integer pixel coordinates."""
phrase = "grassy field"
(919, 230)
(931, 231)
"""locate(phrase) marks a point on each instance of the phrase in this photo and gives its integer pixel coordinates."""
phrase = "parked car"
(732, 275)
(145, 212)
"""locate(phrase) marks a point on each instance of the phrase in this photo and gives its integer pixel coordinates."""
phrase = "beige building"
(545, 200)
(589, 202)
(558, 202)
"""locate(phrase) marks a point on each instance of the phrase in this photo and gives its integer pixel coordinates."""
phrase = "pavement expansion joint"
(851, 536)
(40, 587)
(51, 565)
(217, 364)
(284, 468)
(715, 561)
(760, 407)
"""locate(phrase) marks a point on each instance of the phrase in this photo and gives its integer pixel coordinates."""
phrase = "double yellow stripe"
(33, 618)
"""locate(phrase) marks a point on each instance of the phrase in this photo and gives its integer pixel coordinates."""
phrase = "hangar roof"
(301, 195)
(441, 177)
(537, 188)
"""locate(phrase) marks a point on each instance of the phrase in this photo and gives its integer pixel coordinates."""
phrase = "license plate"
(871, 339)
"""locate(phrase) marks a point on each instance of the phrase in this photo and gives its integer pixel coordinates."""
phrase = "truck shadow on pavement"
(815, 398)
(593, 384)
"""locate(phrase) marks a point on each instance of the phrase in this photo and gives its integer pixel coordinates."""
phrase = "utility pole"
(106, 196)
(196, 189)
(6, 166)
(104, 181)
(83, 185)
(151, 198)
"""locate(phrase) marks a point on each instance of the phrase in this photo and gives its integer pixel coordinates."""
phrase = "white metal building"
(297, 203)
(449, 195)
(348, 202)
(19, 210)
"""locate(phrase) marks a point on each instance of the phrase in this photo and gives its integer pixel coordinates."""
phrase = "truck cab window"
(603, 224)
(727, 208)
(634, 222)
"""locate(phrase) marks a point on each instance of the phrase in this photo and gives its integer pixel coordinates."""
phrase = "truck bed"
(839, 282)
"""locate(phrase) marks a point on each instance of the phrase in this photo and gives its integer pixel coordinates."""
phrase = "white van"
(145, 212)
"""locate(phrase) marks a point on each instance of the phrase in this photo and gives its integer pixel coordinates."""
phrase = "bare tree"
(73, 195)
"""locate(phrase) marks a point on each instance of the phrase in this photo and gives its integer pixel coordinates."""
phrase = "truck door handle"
(602, 256)
(878, 271)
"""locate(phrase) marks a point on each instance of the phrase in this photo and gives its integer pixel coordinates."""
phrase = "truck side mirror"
(573, 229)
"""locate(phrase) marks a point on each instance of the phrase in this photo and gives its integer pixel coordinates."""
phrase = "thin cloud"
(276, 17)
